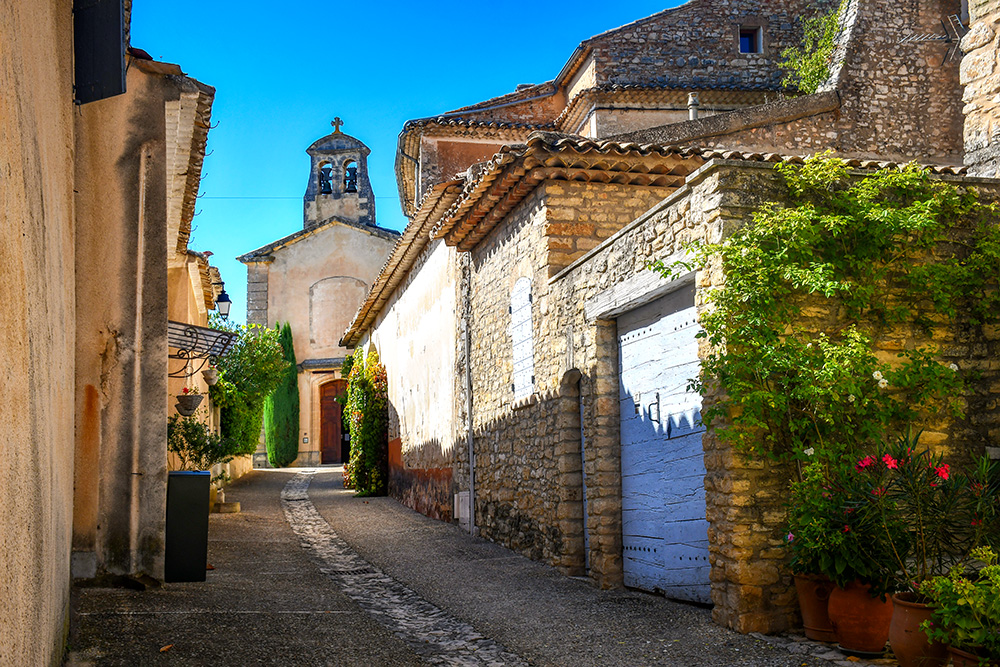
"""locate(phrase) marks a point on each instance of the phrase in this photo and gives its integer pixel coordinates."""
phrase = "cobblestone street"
(308, 574)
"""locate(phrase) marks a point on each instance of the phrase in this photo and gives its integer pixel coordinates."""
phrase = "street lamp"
(223, 303)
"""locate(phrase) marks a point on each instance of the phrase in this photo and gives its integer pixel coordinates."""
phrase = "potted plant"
(188, 401)
(835, 540)
(966, 613)
(928, 516)
(197, 449)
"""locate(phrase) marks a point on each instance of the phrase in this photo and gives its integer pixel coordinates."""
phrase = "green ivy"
(368, 409)
(281, 409)
(807, 66)
(248, 373)
(812, 286)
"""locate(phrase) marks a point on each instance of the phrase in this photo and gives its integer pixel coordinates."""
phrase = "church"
(315, 278)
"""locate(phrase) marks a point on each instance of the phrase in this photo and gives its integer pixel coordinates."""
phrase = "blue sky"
(283, 70)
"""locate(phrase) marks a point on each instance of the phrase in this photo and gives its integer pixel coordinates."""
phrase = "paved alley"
(307, 574)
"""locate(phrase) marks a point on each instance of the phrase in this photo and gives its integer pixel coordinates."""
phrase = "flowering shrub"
(827, 536)
(929, 517)
(368, 407)
(967, 607)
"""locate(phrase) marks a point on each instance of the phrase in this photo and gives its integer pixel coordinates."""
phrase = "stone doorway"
(332, 449)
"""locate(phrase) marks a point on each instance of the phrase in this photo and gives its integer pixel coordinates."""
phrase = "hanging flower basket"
(211, 375)
(188, 403)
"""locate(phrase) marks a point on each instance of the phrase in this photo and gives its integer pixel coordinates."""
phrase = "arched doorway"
(333, 443)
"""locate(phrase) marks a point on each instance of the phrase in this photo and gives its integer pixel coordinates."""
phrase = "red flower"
(890, 462)
(864, 463)
(977, 522)
(185, 390)
(879, 492)
(942, 471)
(847, 528)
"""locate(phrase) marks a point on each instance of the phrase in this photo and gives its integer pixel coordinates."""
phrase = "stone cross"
(336, 124)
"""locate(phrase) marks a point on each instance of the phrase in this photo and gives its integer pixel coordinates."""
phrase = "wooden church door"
(330, 421)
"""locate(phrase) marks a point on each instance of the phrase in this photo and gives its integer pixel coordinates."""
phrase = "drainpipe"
(470, 441)
(693, 105)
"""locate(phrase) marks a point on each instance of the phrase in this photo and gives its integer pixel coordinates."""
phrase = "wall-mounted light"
(222, 302)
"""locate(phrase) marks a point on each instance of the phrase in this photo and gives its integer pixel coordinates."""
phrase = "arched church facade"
(315, 279)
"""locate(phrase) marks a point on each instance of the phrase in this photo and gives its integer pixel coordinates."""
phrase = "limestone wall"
(697, 45)
(981, 78)
(890, 100)
(416, 336)
(36, 333)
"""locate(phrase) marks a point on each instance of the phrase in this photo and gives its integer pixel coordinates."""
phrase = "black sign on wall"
(99, 49)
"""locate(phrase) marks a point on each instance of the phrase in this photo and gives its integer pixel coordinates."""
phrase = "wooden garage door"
(664, 531)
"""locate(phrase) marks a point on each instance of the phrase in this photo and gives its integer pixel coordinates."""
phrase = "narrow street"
(307, 574)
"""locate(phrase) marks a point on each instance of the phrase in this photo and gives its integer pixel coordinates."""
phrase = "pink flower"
(890, 462)
(942, 471)
(864, 463)
(789, 537)
(879, 492)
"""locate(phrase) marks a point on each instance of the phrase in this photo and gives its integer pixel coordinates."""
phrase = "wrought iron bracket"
(196, 346)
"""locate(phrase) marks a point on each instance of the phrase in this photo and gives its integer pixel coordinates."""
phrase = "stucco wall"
(416, 335)
(121, 351)
(36, 332)
(316, 284)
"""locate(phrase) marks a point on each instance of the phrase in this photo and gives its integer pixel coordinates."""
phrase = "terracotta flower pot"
(960, 658)
(188, 403)
(860, 621)
(908, 641)
(814, 595)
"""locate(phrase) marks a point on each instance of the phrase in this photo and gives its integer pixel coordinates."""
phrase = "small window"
(751, 39)
(521, 339)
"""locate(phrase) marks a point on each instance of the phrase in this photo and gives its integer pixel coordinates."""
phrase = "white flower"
(809, 452)
(877, 375)
(883, 383)
(851, 398)
(953, 367)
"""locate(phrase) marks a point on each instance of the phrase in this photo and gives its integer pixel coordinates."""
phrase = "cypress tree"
(281, 410)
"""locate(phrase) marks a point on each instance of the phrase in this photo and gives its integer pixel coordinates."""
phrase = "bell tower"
(338, 181)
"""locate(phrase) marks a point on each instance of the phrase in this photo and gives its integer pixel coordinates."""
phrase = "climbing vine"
(368, 415)
(281, 409)
(820, 288)
(807, 65)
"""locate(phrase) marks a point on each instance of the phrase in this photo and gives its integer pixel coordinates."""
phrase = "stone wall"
(36, 333)
(981, 78)
(697, 45)
(892, 100)
(257, 292)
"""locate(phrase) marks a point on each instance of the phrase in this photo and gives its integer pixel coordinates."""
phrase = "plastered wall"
(36, 332)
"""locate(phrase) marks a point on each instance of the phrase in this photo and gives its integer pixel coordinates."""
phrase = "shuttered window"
(98, 49)
(521, 339)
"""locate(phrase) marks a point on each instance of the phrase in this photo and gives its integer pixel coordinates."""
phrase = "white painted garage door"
(664, 531)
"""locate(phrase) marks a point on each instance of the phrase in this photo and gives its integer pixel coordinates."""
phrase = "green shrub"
(248, 373)
(808, 65)
(281, 410)
(196, 447)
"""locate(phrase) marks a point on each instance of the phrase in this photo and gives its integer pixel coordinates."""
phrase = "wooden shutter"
(99, 49)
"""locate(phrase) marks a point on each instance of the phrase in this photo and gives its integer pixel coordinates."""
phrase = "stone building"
(101, 161)
(315, 278)
(980, 74)
(532, 231)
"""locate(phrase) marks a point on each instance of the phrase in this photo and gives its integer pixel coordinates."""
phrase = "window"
(751, 39)
(521, 339)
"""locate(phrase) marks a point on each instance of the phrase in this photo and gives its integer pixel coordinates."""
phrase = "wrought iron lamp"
(222, 302)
